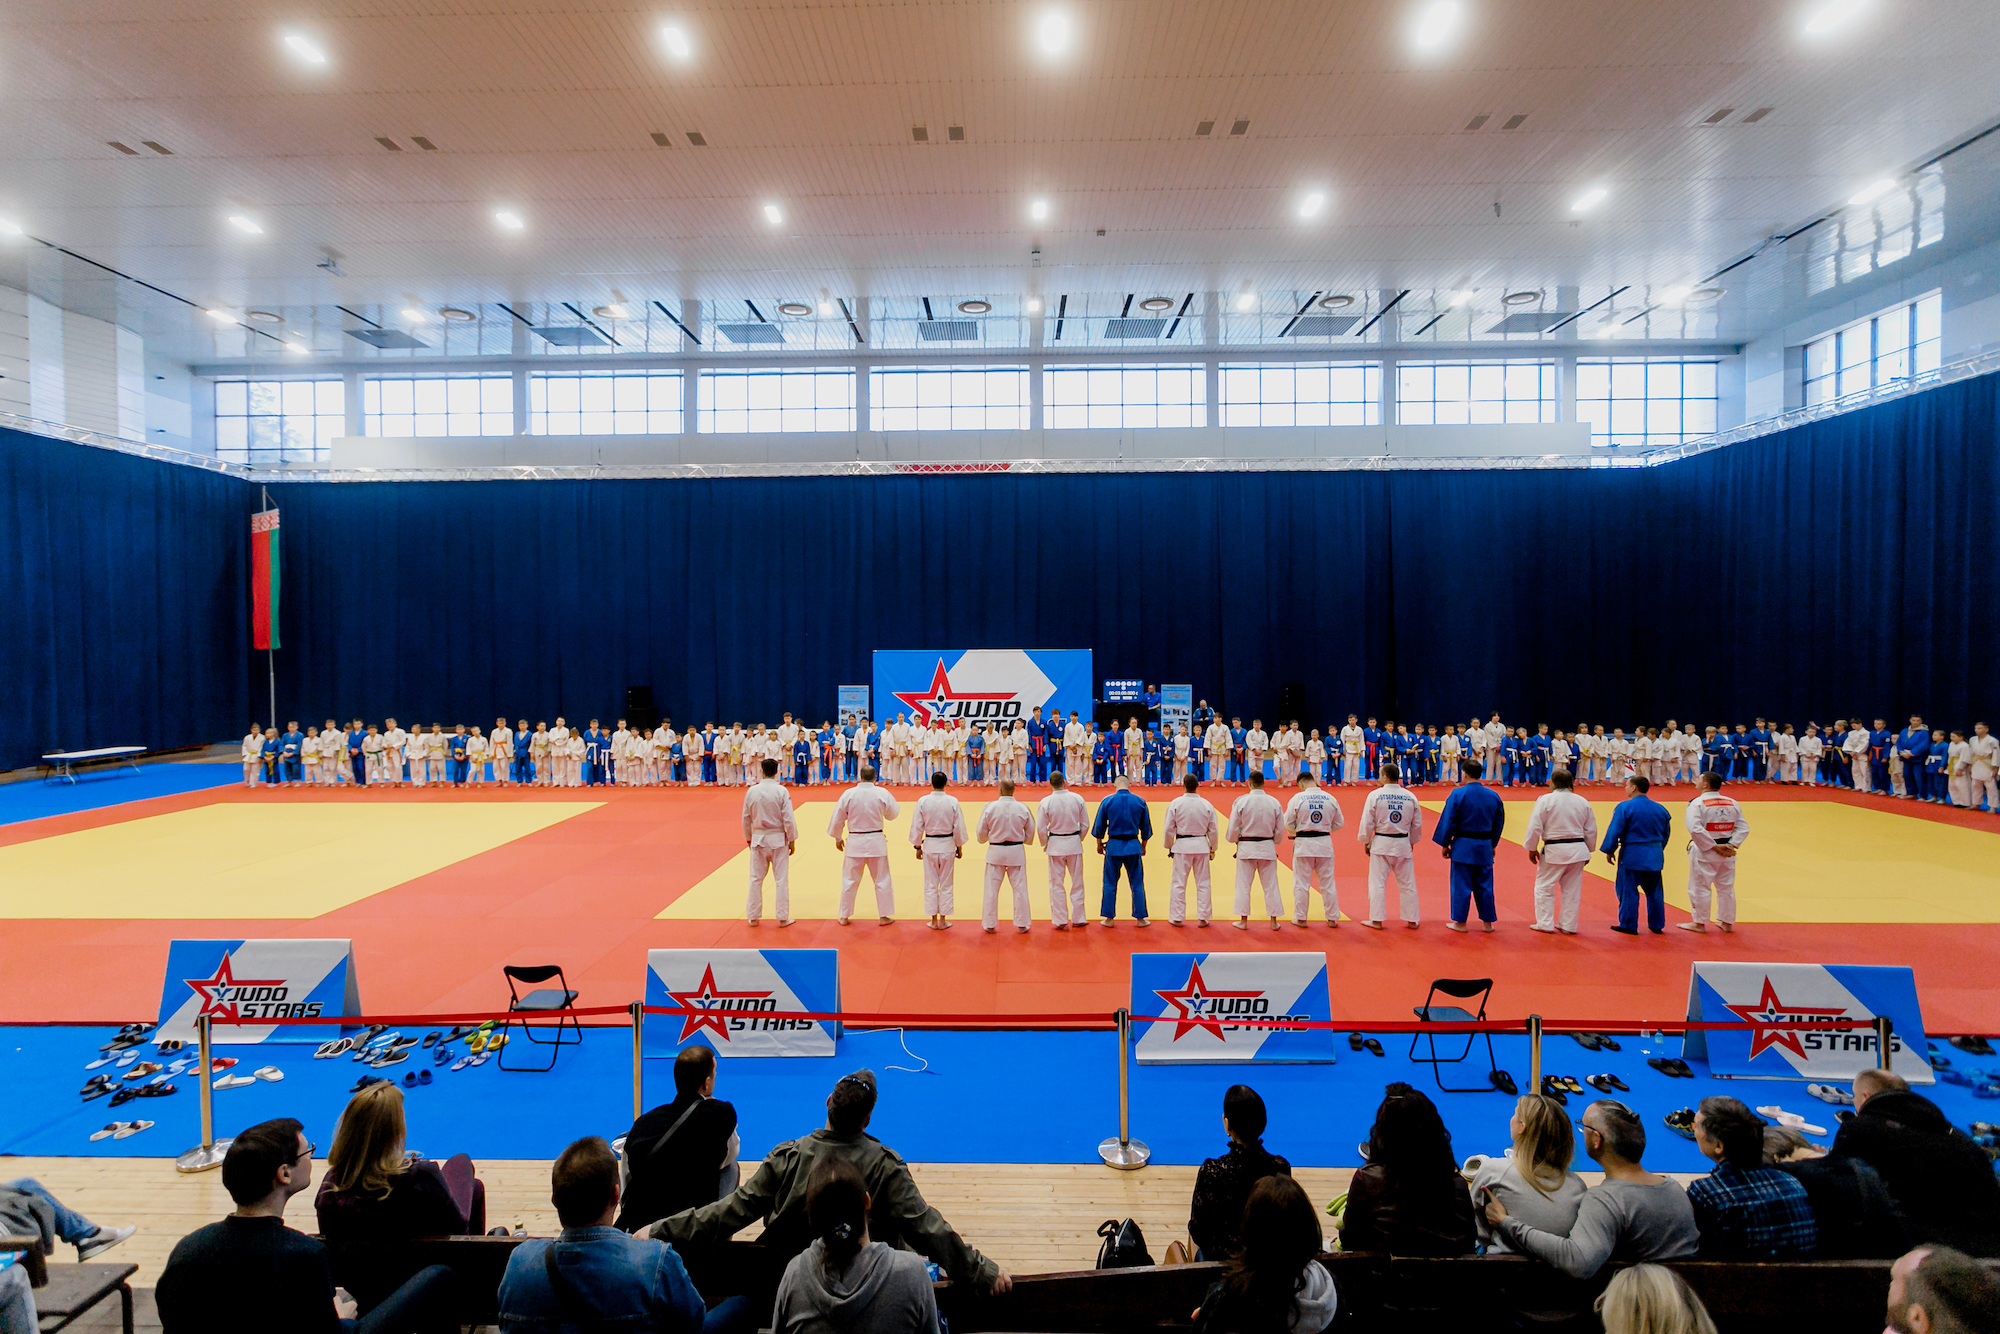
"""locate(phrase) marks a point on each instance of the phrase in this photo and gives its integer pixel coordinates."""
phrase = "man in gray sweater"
(1631, 1215)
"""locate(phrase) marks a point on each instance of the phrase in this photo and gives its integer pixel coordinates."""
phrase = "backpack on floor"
(1124, 1245)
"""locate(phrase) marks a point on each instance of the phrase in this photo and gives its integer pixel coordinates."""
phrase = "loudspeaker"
(1292, 701)
(640, 712)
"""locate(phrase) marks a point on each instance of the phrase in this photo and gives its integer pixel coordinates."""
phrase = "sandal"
(1354, 1041)
(365, 1081)
(423, 1077)
(1829, 1093)
(108, 1131)
(1372, 1045)
(1587, 1041)
(270, 1074)
(1681, 1122)
(336, 1047)
(1501, 1080)
(132, 1128)
(1551, 1088)
(431, 1038)
(156, 1091)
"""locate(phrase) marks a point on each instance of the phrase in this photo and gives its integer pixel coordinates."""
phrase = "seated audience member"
(1852, 1210)
(776, 1194)
(1271, 1281)
(1632, 1214)
(1745, 1210)
(1536, 1184)
(680, 1155)
(1647, 1299)
(27, 1210)
(1224, 1183)
(1942, 1182)
(251, 1274)
(845, 1283)
(1409, 1199)
(1937, 1290)
(17, 1297)
(376, 1197)
(595, 1277)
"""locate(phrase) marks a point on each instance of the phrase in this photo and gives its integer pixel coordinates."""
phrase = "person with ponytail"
(844, 1283)
(1272, 1282)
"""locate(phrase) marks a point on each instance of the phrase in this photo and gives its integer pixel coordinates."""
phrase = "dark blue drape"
(1846, 566)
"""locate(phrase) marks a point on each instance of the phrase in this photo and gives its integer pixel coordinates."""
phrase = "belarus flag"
(264, 580)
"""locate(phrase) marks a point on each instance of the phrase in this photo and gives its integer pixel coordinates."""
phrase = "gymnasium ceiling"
(1177, 145)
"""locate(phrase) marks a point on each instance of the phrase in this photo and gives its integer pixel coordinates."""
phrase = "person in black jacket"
(1942, 1182)
(681, 1155)
(1216, 1217)
(1856, 1214)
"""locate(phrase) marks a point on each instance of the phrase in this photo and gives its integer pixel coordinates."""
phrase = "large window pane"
(948, 398)
(439, 406)
(605, 403)
(1479, 392)
(269, 422)
(1113, 397)
(757, 401)
(1301, 394)
(1638, 403)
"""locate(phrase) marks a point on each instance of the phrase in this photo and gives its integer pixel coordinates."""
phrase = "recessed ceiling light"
(220, 316)
(796, 309)
(1833, 16)
(1706, 293)
(1247, 301)
(1310, 206)
(614, 311)
(305, 48)
(1435, 24)
(455, 315)
(1034, 305)
(1868, 194)
(975, 307)
(1589, 199)
(1039, 209)
(1521, 298)
(11, 227)
(243, 224)
(1052, 33)
(1673, 296)
(297, 347)
(674, 37)
(826, 307)
(773, 214)
(1338, 301)
(509, 219)
(415, 316)
(1157, 303)
(1461, 296)
(265, 316)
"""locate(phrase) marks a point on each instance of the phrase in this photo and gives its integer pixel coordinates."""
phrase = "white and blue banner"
(246, 980)
(1201, 999)
(981, 685)
(1756, 993)
(853, 704)
(728, 990)
(1176, 708)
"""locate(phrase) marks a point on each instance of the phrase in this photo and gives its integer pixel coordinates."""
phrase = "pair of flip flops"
(269, 1074)
(1606, 1084)
(367, 1081)
(1501, 1080)
(416, 1077)
(1360, 1043)
(1671, 1066)
(121, 1130)
(125, 1095)
(1839, 1097)
(1973, 1044)
(1560, 1087)
(1790, 1120)
(131, 1035)
(481, 1043)
(98, 1086)
(337, 1047)
(467, 1062)
(1595, 1042)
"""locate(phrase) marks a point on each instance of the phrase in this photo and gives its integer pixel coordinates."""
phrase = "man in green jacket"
(897, 1212)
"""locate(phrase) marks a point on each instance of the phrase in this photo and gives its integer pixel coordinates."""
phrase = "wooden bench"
(63, 1294)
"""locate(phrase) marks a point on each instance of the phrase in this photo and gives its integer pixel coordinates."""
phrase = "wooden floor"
(1030, 1218)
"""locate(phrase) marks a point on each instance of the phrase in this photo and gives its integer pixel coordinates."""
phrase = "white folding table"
(62, 763)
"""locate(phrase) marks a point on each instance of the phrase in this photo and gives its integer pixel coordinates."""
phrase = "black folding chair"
(1458, 988)
(541, 1000)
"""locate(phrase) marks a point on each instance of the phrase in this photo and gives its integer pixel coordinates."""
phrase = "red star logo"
(1190, 1003)
(703, 998)
(931, 703)
(218, 994)
(1769, 1009)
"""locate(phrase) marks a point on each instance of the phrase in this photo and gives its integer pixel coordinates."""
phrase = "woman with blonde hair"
(1647, 1299)
(1535, 1182)
(377, 1196)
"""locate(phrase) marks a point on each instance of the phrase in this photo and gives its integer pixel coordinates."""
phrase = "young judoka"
(458, 755)
(309, 757)
(801, 759)
(290, 742)
(253, 755)
(478, 752)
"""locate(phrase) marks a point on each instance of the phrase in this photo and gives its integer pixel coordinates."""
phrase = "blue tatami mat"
(32, 800)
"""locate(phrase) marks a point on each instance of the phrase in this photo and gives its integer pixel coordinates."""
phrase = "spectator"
(1631, 1215)
(1223, 1184)
(701, 1129)
(1937, 1290)
(897, 1215)
(844, 1283)
(1852, 1210)
(1409, 1199)
(376, 1197)
(594, 1276)
(1647, 1299)
(27, 1210)
(17, 1297)
(1941, 1181)
(250, 1274)
(1536, 1184)
(1745, 1210)
(1272, 1284)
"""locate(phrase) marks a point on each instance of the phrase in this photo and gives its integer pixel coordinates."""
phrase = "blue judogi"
(1198, 755)
(1055, 756)
(456, 751)
(595, 743)
(355, 759)
(975, 757)
(1879, 741)
(268, 758)
(289, 754)
(1123, 825)
(1539, 746)
(1237, 771)
(1510, 759)
(1468, 831)
(1371, 741)
(1712, 753)
(1637, 841)
(676, 756)
(1100, 760)
(1914, 745)
(1935, 782)
(1114, 754)
(1760, 753)
(1038, 749)
(1152, 757)
(802, 758)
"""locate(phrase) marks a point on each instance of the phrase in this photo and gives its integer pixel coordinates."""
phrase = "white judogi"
(1810, 750)
(1391, 819)
(1218, 748)
(1315, 762)
(558, 756)
(1563, 829)
(1983, 756)
(1191, 840)
(938, 827)
(1311, 818)
(692, 751)
(1060, 819)
(398, 742)
(1006, 827)
(1135, 756)
(1496, 732)
(770, 828)
(859, 818)
(476, 752)
(1450, 751)
(1856, 749)
(1256, 749)
(1256, 821)
(1957, 776)
(1714, 820)
(253, 758)
(1077, 753)
(1182, 744)
(1352, 745)
(1788, 757)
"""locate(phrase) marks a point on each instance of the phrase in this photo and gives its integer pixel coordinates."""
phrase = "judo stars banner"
(264, 580)
(981, 685)
(729, 989)
(1200, 997)
(1768, 992)
(230, 980)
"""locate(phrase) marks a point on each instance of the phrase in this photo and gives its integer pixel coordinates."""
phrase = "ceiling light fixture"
(1675, 295)
(455, 315)
(1338, 301)
(1157, 303)
(1706, 293)
(509, 219)
(675, 39)
(773, 214)
(297, 347)
(1461, 296)
(265, 316)
(1521, 298)
(1052, 33)
(1034, 305)
(614, 311)
(415, 316)
(12, 228)
(1039, 210)
(798, 310)
(1868, 194)
(244, 224)
(305, 48)
(1247, 301)
(826, 307)
(1590, 199)
(1310, 206)
(1435, 24)
(975, 307)
(220, 316)
(1833, 16)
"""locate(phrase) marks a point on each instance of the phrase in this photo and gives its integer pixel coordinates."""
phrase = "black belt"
(1005, 843)
(1551, 842)
(856, 833)
(1311, 833)
(1252, 838)
(950, 833)
(1380, 834)
(1071, 834)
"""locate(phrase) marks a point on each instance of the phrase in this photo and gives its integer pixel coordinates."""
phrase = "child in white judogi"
(253, 756)
(1182, 744)
(478, 750)
(501, 743)
(398, 743)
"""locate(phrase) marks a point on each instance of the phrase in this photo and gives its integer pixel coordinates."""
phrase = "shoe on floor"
(1681, 1122)
(103, 1240)
(130, 1129)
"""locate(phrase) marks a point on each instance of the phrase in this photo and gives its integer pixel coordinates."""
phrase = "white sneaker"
(103, 1240)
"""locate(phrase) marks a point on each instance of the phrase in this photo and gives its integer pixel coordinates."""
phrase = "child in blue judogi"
(1152, 754)
(802, 758)
(1100, 759)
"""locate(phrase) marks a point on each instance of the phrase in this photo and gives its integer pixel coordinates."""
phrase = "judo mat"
(438, 888)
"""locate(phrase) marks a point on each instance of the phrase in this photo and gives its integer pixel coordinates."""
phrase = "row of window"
(1876, 352)
(1627, 402)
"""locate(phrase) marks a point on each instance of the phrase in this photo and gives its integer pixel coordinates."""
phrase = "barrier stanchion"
(1534, 1053)
(638, 1057)
(1124, 1152)
(1883, 1031)
(208, 1153)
